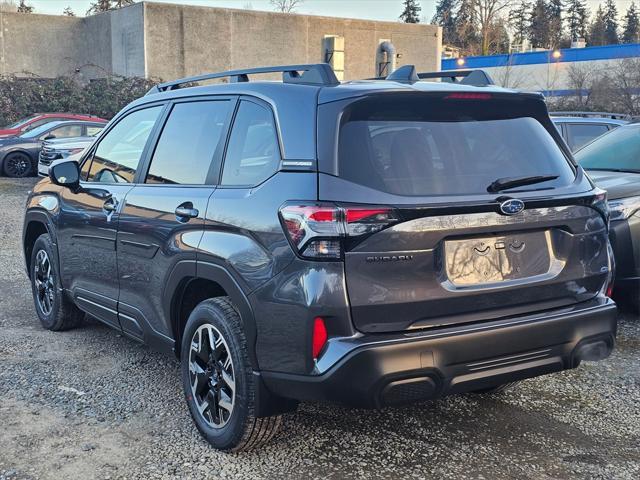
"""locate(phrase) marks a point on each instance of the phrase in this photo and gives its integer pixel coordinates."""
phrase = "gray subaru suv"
(370, 243)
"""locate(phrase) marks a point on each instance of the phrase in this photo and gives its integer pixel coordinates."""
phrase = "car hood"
(63, 142)
(617, 184)
(4, 142)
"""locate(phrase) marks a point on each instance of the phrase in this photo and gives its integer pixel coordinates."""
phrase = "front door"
(162, 220)
(89, 217)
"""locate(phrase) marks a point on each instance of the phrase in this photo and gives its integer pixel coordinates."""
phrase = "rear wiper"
(512, 182)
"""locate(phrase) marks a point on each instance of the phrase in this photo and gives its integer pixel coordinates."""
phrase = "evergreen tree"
(445, 17)
(577, 18)
(24, 8)
(411, 13)
(597, 29)
(554, 9)
(467, 36)
(68, 12)
(611, 23)
(540, 25)
(519, 19)
(631, 32)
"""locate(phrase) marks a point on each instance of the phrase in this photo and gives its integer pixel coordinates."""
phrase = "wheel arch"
(36, 223)
(188, 289)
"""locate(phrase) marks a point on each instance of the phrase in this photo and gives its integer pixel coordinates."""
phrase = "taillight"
(319, 337)
(317, 230)
(599, 203)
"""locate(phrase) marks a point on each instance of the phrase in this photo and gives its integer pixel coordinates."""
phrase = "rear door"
(161, 222)
(451, 251)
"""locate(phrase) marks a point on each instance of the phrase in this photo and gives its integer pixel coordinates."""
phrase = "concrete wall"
(44, 45)
(186, 40)
(168, 41)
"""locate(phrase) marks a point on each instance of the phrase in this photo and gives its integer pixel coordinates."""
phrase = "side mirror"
(50, 137)
(65, 174)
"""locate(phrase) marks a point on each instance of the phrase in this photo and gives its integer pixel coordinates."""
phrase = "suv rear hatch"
(439, 244)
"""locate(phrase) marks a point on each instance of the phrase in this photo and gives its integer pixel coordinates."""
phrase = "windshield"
(617, 150)
(435, 147)
(19, 123)
(36, 132)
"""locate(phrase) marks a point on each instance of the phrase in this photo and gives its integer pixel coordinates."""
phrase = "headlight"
(623, 208)
(69, 152)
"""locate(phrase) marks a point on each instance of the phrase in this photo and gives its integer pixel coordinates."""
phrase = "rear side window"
(440, 146)
(188, 143)
(581, 134)
(253, 154)
(116, 158)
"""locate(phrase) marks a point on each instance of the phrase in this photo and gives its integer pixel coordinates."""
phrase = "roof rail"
(312, 74)
(408, 74)
(613, 116)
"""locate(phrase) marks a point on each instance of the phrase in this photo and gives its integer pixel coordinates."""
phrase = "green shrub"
(21, 97)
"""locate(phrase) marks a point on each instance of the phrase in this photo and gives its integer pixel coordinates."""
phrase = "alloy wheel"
(44, 281)
(212, 376)
(17, 165)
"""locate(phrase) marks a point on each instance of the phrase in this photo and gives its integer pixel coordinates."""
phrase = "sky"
(388, 10)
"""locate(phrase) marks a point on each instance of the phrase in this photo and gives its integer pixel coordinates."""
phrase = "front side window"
(253, 154)
(188, 143)
(116, 157)
(65, 131)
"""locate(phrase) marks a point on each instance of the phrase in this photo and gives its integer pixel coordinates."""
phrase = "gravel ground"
(91, 404)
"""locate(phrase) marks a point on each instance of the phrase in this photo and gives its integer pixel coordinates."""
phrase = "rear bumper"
(376, 373)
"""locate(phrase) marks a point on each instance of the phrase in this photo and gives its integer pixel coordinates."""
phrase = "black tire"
(18, 165)
(240, 430)
(55, 311)
(498, 389)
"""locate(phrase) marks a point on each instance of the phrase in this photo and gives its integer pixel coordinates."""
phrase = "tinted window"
(581, 134)
(617, 150)
(434, 146)
(42, 121)
(92, 131)
(188, 143)
(116, 158)
(253, 154)
(66, 131)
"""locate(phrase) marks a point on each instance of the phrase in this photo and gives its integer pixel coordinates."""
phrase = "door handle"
(110, 205)
(186, 211)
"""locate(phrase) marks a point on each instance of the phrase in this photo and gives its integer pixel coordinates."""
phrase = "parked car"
(19, 155)
(371, 243)
(613, 162)
(60, 148)
(38, 119)
(580, 128)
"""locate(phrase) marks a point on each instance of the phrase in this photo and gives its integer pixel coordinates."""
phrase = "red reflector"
(324, 215)
(354, 215)
(319, 337)
(610, 290)
(468, 96)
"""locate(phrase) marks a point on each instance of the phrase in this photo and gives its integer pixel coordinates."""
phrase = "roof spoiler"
(409, 74)
(320, 74)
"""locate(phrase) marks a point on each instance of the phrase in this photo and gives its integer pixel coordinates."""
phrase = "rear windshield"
(442, 146)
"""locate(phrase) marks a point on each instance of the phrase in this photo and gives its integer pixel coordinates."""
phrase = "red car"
(38, 119)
